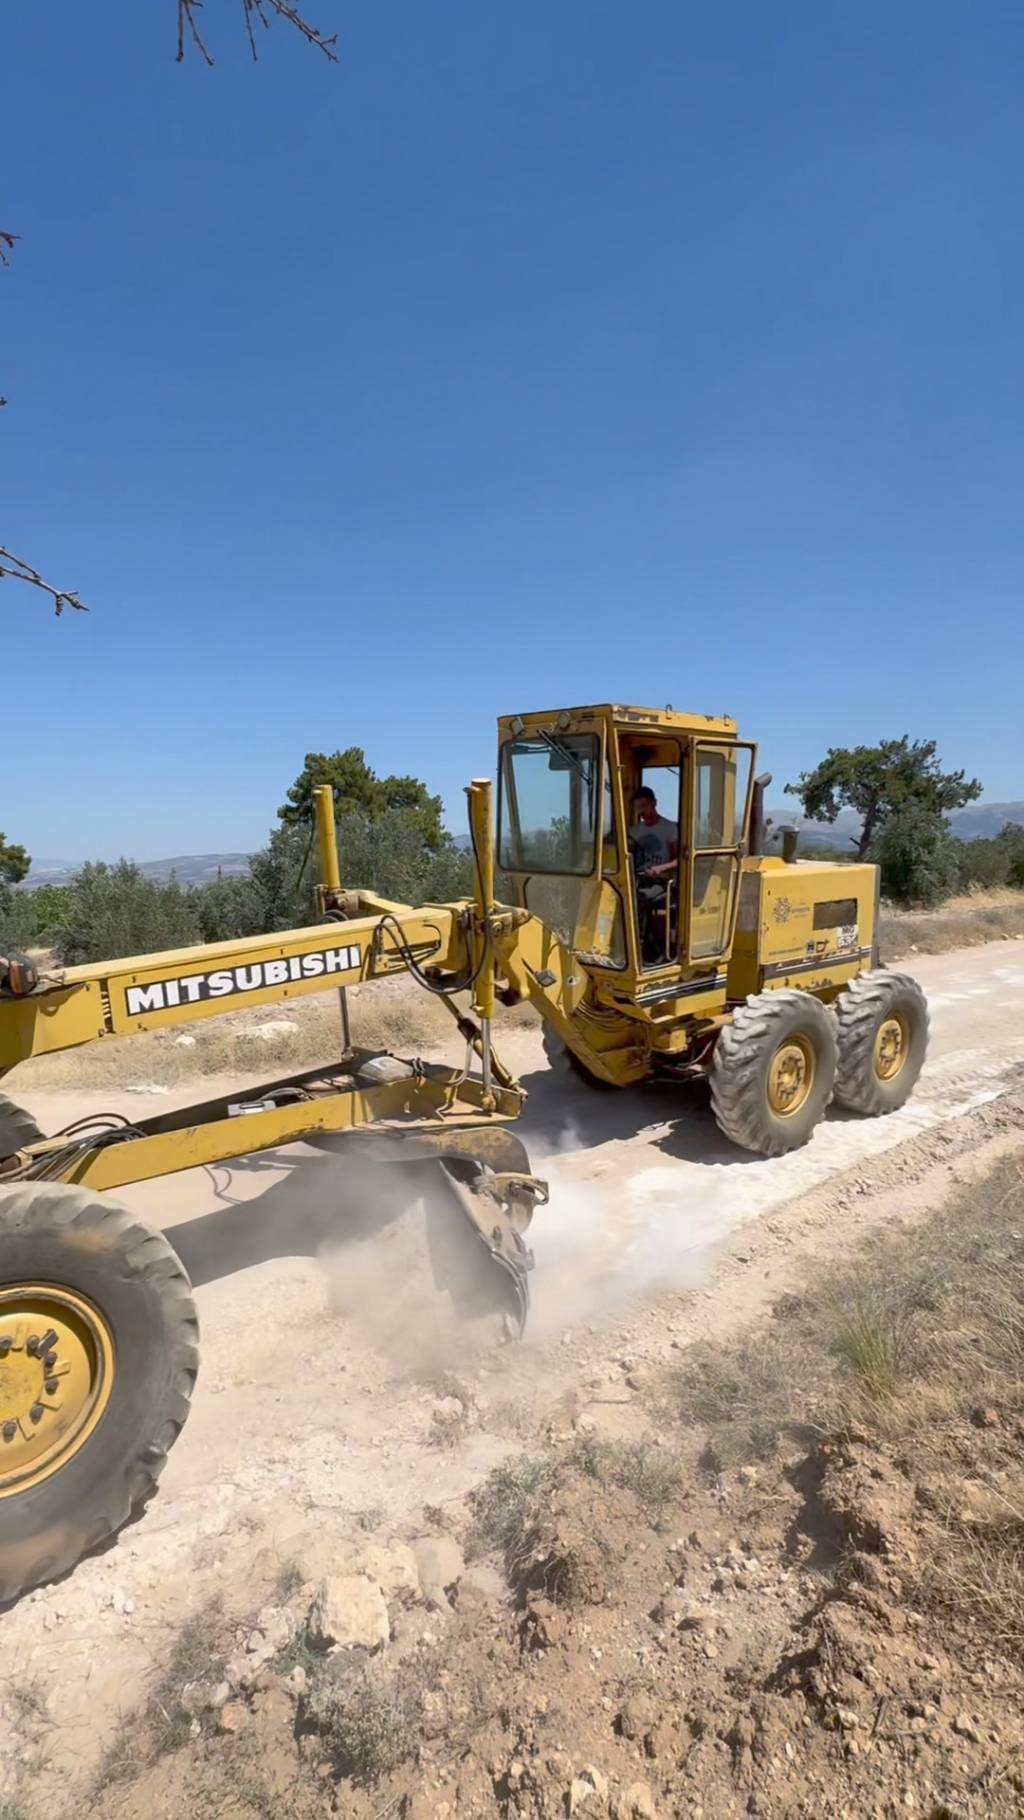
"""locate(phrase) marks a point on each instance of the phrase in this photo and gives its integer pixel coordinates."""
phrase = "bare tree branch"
(187, 10)
(248, 11)
(188, 27)
(23, 571)
(285, 10)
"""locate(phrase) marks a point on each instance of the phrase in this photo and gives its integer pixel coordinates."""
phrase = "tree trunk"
(867, 833)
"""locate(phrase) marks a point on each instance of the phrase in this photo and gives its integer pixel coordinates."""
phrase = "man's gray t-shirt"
(655, 841)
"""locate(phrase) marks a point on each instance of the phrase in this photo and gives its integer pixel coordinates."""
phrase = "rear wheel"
(98, 1356)
(882, 1020)
(772, 1071)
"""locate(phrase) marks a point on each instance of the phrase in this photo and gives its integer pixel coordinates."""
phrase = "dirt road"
(314, 1413)
(667, 1190)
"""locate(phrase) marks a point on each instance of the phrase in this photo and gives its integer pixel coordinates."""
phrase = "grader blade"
(484, 1178)
(492, 1217)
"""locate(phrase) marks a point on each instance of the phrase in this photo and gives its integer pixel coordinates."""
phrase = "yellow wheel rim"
(56, 1376)
(892, 1042)
(791, 1076)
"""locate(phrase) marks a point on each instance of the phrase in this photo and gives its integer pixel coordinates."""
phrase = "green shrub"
(386, 854)
(115, 910)
(227, 908)
(992, 864)
(918, 856)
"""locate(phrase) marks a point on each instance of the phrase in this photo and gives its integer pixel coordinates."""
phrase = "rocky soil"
(652, 1604)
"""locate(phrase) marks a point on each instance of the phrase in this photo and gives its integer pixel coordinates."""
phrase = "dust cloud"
(649, 1208)
(611, 1232)
(411, 1275)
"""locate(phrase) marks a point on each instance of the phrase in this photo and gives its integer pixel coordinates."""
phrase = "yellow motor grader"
(761, 973)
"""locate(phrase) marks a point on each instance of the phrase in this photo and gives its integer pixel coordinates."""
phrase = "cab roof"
(643, 719)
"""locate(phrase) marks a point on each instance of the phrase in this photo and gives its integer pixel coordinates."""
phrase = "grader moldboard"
(759, 972)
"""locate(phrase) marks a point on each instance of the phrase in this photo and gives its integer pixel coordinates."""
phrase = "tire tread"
(145, 1253)
(737, 1098)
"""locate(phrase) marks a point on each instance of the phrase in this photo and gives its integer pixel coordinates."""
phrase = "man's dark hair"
(646, 791)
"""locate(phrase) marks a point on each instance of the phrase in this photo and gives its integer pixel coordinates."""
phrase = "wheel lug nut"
(35, 1414)
(9, 1431)
(50, 1361)
(50, 1386)
(33, 1345)
(5, 1346)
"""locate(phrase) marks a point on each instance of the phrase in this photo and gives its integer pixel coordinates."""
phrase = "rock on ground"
(349, 1612)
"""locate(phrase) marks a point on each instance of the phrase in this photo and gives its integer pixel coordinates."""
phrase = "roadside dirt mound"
(768, 1645)
(578, 1548)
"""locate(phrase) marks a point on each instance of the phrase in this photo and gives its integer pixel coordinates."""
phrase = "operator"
(654, 843)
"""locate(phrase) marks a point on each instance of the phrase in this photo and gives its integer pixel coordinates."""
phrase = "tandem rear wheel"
(882, 1023)
(785, 1054)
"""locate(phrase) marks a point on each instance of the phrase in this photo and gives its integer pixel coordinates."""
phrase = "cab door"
(717, 788)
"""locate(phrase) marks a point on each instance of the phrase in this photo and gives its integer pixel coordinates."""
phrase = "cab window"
(550, 807)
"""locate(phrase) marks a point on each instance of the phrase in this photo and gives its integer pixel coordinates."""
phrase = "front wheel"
(98, 1356)
(882, 1021)
(772, 1071)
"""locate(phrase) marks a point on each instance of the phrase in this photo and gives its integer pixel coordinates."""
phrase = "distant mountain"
(978, 821)
(982, 821)
(188, 869)
(839, 833)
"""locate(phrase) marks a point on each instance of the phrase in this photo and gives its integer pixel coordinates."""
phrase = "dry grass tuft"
(506, 1506)
(370, 1724)
(979, 1570)
(879, 1343)
(290, 1579)
(164, 1724)
(544, 1513)
(961, 922)
(373, 1721)
(753, 1393)
(653, 1474)
(927, 1323)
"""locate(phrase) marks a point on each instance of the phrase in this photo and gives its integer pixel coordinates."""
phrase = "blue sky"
(533, 354)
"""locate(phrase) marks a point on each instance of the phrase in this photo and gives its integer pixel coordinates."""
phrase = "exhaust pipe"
(755, 845)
